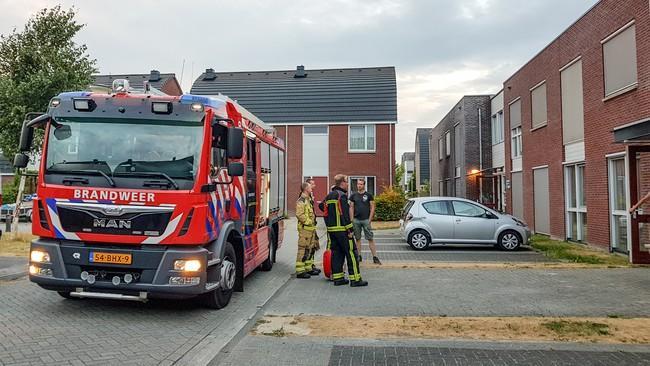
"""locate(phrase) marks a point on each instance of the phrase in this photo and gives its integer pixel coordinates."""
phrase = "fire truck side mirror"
(26, 137)
(235, 143)
(235, 169)
(21, 160)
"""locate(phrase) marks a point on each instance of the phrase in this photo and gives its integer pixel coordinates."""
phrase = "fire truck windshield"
(126, 148)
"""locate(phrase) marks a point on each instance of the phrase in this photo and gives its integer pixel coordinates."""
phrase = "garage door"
(541, 200)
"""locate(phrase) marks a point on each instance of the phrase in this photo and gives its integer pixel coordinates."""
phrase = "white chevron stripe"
(57, 224)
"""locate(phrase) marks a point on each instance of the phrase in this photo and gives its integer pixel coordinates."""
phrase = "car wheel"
(419, 240)
(220, 297)
(509, 240)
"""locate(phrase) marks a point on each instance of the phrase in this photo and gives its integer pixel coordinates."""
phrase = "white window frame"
(613, 214)
(448, 143)
(353, 188)
(579, 210)
(497, 128)
(365, 139)
(441, 149)
(516, 149)
(614, 93)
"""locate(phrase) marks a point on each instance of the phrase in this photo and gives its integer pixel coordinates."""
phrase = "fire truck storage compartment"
(272, 162)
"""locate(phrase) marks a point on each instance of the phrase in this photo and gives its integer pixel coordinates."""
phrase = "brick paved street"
(390, 246)
(453, 292)
(39, 327)
(260, 350)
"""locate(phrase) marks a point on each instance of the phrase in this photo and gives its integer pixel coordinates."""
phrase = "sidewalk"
(12, 268)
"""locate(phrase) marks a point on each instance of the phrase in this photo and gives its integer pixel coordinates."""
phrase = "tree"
(35, 65)
(399, 176)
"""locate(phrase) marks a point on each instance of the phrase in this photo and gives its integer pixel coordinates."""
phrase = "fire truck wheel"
(267, 265)
(220, 297)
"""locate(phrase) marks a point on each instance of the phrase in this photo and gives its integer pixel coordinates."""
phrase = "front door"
(470, 223)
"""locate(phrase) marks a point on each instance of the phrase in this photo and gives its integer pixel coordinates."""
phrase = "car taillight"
(409, 217)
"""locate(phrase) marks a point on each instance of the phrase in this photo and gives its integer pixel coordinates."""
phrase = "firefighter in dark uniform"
(339, 231)
(307, 237)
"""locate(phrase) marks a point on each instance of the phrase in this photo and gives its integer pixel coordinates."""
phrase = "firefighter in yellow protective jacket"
(307, 237)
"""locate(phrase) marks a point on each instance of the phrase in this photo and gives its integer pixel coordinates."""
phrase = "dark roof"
(304, 96)
(408, 156)
(155, 79)
(423, 132)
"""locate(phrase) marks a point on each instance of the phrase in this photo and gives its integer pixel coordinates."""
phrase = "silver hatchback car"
(452, 220)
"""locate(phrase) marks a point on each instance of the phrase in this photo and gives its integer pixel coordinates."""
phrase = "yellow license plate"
(112, 258)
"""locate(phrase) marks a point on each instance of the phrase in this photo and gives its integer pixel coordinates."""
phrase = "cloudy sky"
(442, 49)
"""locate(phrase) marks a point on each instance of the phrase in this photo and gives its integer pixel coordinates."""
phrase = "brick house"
(460, 154)
(408, 162)
(166, 83)
(568, 176)
(332, 120)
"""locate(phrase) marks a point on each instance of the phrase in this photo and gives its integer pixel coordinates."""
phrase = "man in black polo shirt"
(362, 209)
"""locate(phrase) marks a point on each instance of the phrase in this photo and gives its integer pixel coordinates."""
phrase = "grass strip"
(575, 253)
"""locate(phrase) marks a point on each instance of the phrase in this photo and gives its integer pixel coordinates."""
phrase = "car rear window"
(407, 208)
(436, 207)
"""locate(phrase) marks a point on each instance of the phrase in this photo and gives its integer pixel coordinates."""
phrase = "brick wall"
(378, 164)
(464, 148)
(544, 146)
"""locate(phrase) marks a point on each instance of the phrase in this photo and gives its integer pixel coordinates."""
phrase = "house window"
(362, 138)
(538, 105)
(370, 183)
(618, 204)
(448, 143)
(457, 171)
(441, 149)
(516, 142)
(619, 60)
(576, 204)
(497, 128)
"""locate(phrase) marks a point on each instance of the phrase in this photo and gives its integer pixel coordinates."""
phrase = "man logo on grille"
(112, 223)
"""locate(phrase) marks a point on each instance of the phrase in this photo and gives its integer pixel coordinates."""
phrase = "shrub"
(389, 205)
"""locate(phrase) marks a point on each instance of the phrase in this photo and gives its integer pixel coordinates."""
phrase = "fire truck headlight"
(192, 265)
(40, 256)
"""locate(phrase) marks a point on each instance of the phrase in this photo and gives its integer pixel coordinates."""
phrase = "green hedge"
(389, 205)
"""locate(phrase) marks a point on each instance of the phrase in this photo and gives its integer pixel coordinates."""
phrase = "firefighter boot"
(314, 271)
(303, 275)
(341, 282)
(358, 283)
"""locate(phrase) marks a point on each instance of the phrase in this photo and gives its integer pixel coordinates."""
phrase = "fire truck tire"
(267, 265)
(220, 297)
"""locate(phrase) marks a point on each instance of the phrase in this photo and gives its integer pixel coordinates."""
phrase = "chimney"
(209, 74)
(300, 72)
(154, 75)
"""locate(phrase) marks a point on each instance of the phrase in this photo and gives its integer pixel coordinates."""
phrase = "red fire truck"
(143, 196)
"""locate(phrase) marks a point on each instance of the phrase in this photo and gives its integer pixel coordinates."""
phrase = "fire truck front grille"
(130, 221)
